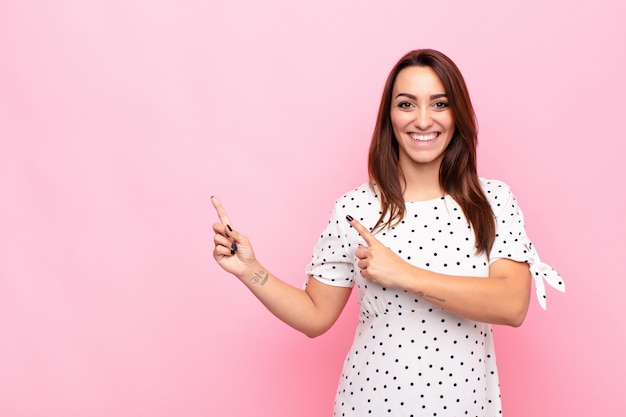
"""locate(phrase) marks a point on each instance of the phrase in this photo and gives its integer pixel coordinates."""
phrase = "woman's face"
(422, 120)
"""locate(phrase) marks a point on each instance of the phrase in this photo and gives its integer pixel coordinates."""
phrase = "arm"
(311, 311)
(501, 298)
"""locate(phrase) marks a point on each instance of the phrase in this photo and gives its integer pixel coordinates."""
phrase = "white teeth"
(424, 137)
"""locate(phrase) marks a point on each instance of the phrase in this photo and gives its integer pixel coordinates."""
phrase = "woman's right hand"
(311, 311)
(232, 251)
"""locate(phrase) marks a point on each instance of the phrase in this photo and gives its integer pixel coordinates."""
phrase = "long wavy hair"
(457, 174)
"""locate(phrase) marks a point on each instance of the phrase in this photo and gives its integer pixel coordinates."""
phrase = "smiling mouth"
(424, 138)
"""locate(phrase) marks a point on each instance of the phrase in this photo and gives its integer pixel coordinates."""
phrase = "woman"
(437, 255)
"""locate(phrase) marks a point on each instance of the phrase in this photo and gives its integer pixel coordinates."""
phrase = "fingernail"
(233, 246)
(212, 197)
(232, 252)
(349, 218)
(229, 228)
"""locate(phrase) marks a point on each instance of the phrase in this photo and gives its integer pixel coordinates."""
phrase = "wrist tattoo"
(260, 277)
(424, 295)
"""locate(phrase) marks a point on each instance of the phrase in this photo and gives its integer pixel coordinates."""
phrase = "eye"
(405, 105)
(440, 105)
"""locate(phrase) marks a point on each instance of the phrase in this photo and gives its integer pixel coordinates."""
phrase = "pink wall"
(118, 120)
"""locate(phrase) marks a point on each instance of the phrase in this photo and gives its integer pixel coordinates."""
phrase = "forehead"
(418, 80)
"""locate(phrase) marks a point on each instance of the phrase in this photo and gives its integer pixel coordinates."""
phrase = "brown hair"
(457, 174)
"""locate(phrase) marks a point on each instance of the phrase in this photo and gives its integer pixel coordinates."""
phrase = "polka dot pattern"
(409, 357)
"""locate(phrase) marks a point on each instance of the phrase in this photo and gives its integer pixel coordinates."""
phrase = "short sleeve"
(333, 255)
(511, 242)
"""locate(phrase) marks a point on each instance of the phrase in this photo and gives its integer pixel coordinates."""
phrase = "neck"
(421, 183)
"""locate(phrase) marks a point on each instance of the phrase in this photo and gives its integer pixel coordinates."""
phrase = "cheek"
(450, 122)
(398, 120)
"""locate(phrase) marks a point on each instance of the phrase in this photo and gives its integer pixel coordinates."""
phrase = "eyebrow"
(413, 97)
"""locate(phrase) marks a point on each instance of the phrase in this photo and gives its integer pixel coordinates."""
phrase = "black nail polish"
(232, 252)
(349, 218)
(229, 228)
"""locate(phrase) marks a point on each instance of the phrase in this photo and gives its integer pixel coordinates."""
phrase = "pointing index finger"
(365, 234)
(221, 212)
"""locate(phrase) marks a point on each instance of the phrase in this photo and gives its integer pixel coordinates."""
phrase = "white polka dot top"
(409, 357)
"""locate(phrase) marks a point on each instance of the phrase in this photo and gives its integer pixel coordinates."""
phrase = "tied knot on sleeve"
(543, 272)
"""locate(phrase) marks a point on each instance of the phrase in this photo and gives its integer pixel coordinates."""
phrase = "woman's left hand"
(500, 298)
(377, 262)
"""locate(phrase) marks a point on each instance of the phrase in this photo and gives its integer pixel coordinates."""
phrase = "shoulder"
(361, 202)
(363, 194)
(495, 187)
(498, 193)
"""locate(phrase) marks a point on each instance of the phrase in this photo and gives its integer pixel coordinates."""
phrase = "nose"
(423, 118)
